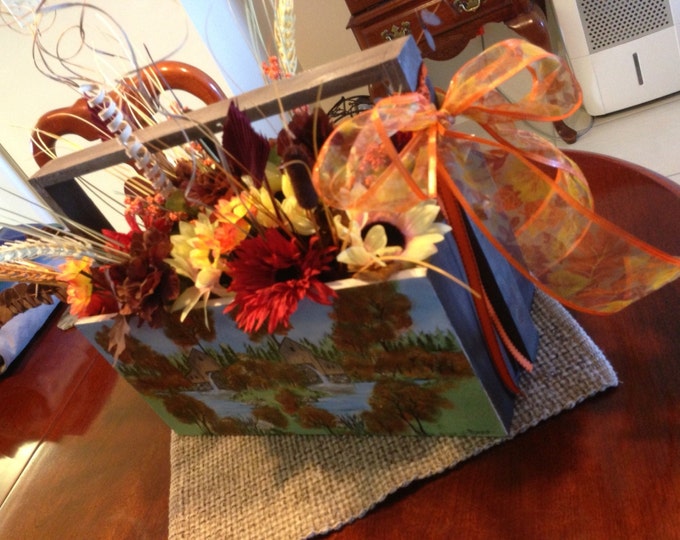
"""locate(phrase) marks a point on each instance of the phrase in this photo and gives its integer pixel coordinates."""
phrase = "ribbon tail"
(545, 226)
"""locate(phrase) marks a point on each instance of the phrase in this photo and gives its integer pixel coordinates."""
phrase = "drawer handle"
(404, 29)
(468, 6)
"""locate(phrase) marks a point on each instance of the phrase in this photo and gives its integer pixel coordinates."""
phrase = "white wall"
(219, 23)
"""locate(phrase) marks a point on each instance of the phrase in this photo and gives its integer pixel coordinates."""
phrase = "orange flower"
(75, 272)
(72, 268)
(232, 223)
(78, 296)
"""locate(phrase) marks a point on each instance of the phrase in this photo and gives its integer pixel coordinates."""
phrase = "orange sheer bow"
(529, 198)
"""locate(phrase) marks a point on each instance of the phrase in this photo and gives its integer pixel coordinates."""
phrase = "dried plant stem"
(434, 268)
(56, 247)
(284, 34)
(28, 272)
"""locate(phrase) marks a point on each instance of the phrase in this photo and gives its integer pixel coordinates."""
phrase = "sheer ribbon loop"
(528, 197)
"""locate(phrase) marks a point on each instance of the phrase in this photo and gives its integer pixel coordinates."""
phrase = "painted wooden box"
(398, 357)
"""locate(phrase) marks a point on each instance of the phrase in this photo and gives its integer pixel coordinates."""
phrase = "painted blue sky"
(310, 321)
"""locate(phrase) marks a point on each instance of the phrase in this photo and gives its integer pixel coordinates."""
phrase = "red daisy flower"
(271, 274)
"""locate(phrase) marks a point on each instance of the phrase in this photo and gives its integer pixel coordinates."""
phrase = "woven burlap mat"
(290, 487)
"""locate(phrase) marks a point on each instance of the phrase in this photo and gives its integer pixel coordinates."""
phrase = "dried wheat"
(284, 34)
(28, 272)
(55, 247)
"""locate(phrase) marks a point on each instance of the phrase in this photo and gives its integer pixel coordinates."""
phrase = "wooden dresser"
(375, 21)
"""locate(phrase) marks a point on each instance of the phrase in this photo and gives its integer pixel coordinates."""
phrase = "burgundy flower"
(146, 283)
(310, 129)
(208, 185)
(271, 274)
(102, 300)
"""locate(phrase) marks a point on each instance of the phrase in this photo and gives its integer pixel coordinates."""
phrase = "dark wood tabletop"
(82, 456)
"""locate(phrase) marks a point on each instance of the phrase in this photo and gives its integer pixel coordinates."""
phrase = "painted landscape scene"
(383, 359)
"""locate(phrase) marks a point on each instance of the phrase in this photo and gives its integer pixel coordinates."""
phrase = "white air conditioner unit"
(622, 52)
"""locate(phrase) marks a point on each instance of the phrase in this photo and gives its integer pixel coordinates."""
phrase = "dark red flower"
(271, 274)
(208, 184)
(102, 300)
(310, 129)
(146, 283)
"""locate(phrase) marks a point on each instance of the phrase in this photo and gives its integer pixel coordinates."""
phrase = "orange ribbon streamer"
(528, 198)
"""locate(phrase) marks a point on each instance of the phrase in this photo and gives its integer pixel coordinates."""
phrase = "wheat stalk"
(55, 247)
(28, 272)
(258, 42)
(284, 34)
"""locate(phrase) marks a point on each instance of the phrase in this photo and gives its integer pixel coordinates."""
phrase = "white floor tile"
(648, 135)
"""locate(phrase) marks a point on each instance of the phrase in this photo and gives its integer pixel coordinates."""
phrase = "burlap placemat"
(288, 487)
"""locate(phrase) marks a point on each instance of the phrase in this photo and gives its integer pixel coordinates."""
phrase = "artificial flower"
(146, 283)
(87, 289)
(246, 151)
(264, 208)
(78, 284)
(72, 269)
(203, 183)
(252, 226)
(272, 69)
(271, 273)
(197, 254)
(308, 130)
(149, 211)
(299, 217)
(235, 211)
(374, 238)
(297, 163)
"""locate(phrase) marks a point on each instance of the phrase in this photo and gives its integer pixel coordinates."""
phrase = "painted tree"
(144, 368)
(365, 318)
(257, 374)
(315, 418)
(191, 331)
(398, 405)
(417, 363)
(270, 414)
(289, 400)
(192, 411)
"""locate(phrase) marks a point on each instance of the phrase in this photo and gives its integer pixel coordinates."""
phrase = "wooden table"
(82, 456)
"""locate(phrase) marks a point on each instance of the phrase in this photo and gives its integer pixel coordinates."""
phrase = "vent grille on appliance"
(612, 22)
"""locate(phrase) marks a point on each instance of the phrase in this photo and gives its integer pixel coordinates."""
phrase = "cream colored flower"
(267, 211)
(373, 238)
(196, 254)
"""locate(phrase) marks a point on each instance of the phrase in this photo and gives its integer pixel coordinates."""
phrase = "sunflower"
(376, 237)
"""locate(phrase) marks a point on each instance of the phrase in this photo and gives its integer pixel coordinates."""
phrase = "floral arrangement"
(254, 229)
(248, 225)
